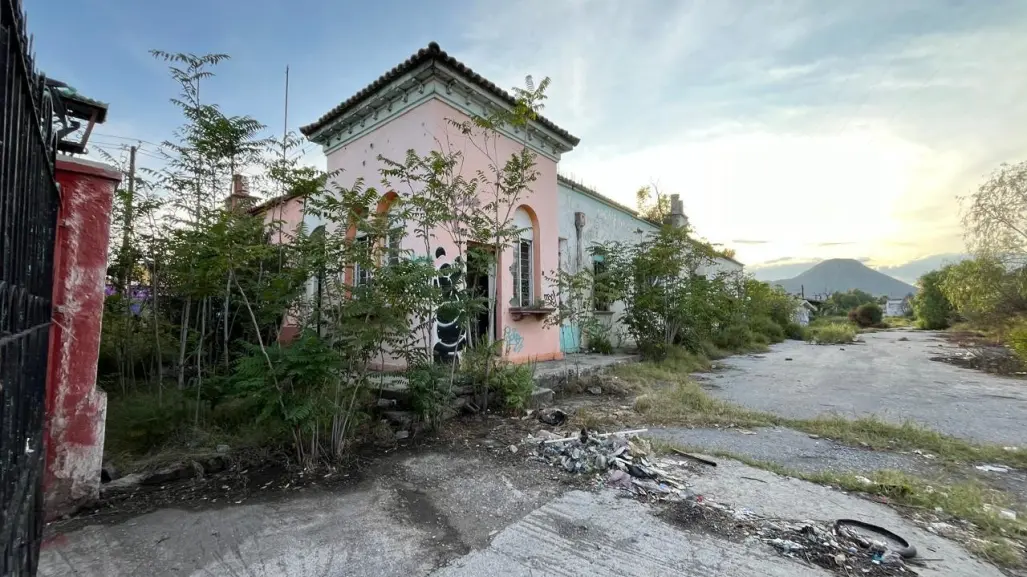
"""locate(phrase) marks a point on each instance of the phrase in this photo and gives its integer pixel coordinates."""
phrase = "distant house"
(803, 310)
(897, 307)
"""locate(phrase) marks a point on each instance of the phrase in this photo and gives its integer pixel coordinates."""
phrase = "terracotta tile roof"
(435, 54)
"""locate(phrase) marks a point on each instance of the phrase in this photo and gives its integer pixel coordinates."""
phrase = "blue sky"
(795, 130)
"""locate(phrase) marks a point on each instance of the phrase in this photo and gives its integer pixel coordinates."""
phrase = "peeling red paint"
(75, 409)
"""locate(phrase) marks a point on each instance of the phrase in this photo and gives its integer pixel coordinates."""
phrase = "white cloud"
(790, 122)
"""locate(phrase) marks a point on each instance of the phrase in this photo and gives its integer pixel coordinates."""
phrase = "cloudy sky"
(794, 130)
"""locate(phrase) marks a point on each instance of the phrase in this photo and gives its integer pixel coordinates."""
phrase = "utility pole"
(126, 225)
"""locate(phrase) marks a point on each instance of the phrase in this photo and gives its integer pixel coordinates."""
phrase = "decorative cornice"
(432, 54)
(428, 81)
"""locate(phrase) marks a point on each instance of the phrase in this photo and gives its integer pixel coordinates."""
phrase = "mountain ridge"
(844, 274)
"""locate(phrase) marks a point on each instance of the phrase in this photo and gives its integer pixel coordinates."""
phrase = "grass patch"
(686, 403)
(970, 501)
(899, 322)
(831, 334)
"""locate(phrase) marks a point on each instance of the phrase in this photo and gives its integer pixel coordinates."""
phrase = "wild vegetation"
(192, 346)
(989, 291)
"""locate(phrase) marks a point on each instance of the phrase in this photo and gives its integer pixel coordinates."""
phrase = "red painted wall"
(75, 409)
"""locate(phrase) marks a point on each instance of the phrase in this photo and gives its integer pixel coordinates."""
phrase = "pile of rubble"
(623, 460)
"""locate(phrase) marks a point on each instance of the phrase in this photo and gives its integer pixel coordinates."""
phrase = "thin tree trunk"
(156, 337)
(199, 355)
(228, 292)
(182, 342)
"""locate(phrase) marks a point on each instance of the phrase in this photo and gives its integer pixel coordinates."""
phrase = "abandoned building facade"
(413, 107)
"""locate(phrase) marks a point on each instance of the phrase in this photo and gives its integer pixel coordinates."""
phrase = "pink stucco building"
(411, 107)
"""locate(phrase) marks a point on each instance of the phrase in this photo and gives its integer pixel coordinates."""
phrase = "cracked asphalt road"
(883, 376)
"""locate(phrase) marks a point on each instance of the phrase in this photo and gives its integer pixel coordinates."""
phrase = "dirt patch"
(995, 359)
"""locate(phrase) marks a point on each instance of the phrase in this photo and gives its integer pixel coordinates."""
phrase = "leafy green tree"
(932, 309)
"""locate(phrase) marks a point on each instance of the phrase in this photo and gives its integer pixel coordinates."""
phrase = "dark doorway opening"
(479, 281)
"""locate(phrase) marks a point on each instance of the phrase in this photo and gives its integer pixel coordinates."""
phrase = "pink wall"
(75, 410)
(425, 128)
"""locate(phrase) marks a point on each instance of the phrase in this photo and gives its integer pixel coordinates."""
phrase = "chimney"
(677, 212)
(240, 197)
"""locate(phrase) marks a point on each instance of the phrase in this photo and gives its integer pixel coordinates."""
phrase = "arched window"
(524, 259)
(397, 230)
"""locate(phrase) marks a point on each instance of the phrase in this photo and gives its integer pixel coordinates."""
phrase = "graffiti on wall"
(448, 333)
(513, 340)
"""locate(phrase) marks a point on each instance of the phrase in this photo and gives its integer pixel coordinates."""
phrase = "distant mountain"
(842, 274)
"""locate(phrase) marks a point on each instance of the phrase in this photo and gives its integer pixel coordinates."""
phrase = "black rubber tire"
(908, 552)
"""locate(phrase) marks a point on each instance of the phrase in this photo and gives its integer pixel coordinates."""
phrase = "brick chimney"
(677, 212)
(240, 197)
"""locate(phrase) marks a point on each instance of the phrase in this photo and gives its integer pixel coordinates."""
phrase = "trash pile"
(846, 546)
(625, 460)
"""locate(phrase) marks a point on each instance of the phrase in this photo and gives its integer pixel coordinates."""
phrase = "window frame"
(523, 284)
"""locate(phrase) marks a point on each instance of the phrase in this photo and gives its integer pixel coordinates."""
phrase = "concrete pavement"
(450, 515)
(883, 376)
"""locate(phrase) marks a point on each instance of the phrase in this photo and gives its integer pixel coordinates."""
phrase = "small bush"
(735, 337)
(488, 372)
(766, 327)
(867, 315)
(832, 334)
(598, 341)
(794, 331)
(1017, 339)
(430, 392)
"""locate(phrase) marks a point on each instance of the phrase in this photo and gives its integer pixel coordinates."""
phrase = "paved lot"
(883, 376)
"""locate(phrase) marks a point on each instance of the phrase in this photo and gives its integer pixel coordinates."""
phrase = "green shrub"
(794, 331)
(867, 315)
(831, 334)
(930, 305)
(1017, 339)
(766, 327)
(430, 392)
(137, 423)
(597, 339)
(489, 373)
(734, 337)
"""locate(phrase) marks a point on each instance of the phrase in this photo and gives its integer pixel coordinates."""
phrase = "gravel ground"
(883, 376)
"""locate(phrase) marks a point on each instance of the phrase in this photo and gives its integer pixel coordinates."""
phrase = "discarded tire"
(906, 552)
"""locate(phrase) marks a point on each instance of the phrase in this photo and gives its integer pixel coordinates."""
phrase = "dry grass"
(831, 334)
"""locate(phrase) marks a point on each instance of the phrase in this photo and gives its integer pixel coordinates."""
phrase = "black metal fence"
(28, 215)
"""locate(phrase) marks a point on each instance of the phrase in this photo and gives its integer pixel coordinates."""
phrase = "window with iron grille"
(395, 238)
(361, 275)
(525, 273)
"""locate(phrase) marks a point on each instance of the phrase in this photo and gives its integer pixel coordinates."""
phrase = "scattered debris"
(812, 436)
(746, 432)
(1011, 449)
(993, 468)
(840, 546)
(903, 339)
(924, 455)
(402, 434)
(595, 390)
(624, 459)
(512, 448)
(864, 480)
(1007, 514)
(222, 449)
(695, 458)
(553, 417)
(788, 358)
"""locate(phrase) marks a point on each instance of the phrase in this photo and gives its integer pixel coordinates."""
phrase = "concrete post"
(75, 410)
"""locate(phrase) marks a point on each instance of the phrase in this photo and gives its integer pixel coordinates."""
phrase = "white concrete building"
(587, 218)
